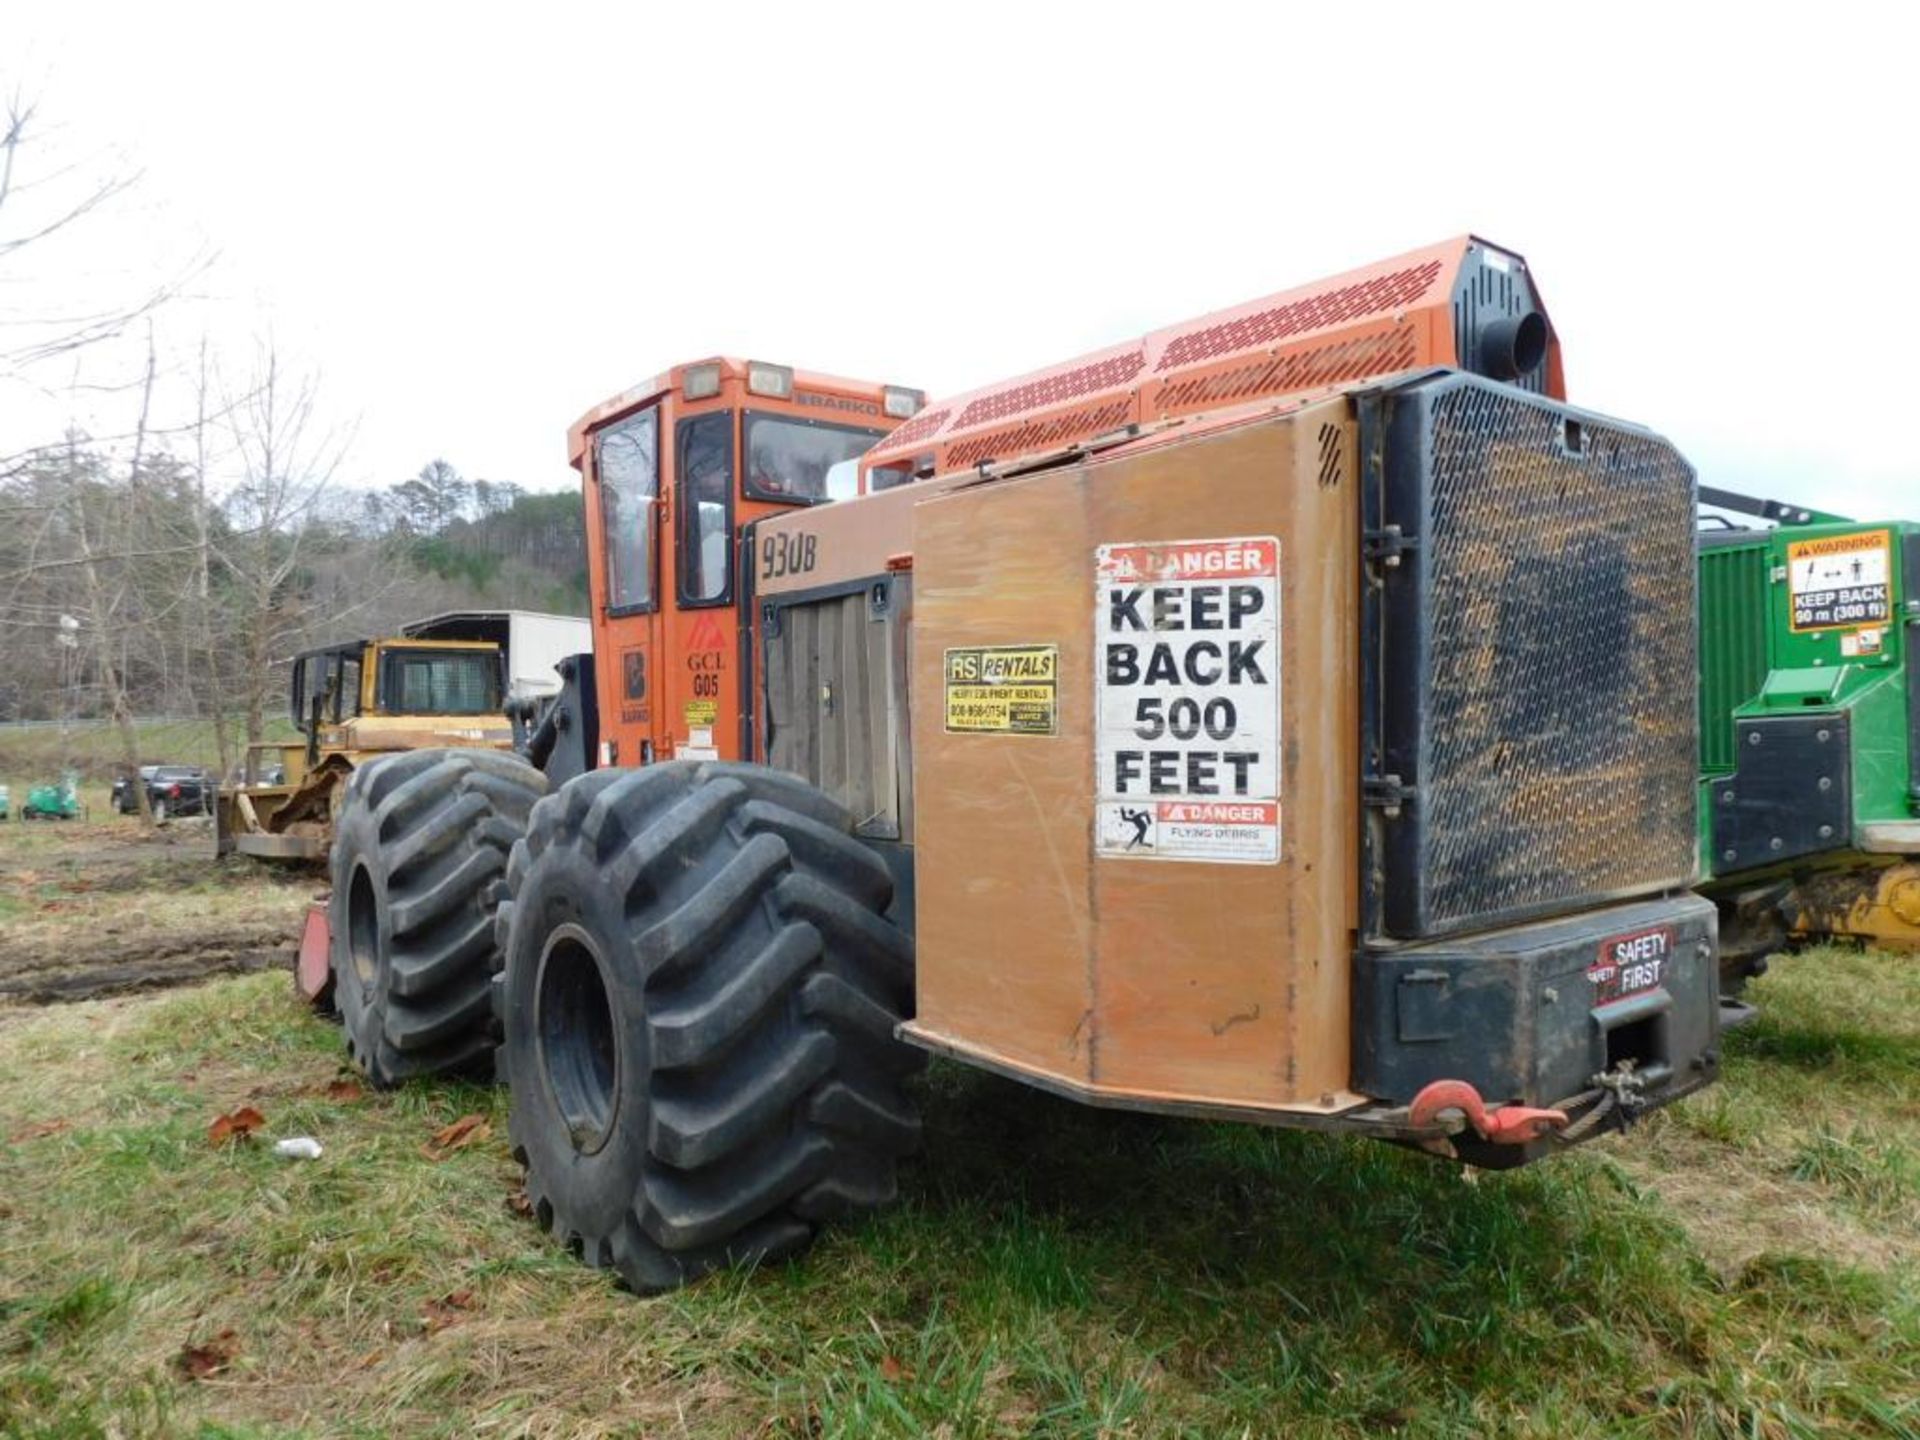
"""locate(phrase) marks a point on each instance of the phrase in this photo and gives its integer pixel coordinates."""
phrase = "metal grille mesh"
(1041, 434)
(1559, 755)
(1375, 354)
(1380, 295)
(1053, 389)
(919, 427)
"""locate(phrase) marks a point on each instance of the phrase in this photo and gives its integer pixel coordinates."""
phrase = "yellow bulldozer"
(351, 702)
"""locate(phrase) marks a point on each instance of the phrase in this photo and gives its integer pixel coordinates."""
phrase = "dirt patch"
(143, 963)
(93, 910)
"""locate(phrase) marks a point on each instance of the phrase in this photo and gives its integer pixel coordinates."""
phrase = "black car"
(123, 793)
(172, 790)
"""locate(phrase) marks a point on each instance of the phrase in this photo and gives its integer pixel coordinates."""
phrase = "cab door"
(623, 527)
(703, 690)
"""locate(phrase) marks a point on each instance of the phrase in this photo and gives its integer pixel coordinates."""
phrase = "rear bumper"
(1496, 1049)
(1542, 1014)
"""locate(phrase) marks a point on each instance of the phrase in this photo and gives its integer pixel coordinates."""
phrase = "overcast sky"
(475, 222)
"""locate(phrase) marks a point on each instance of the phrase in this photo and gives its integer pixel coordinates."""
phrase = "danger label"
(1840, 581)
(1003, 689)
(1187, 700)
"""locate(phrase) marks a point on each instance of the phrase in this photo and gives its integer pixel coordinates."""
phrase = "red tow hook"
(1509, 1125)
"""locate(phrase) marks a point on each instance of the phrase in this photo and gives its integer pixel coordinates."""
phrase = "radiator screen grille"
(1538, 665)
(1733, 643)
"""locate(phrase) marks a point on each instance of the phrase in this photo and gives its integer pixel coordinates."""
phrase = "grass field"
(1746, 1264)
(38, 755)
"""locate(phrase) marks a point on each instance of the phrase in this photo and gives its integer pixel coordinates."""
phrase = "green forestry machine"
(1809, 729)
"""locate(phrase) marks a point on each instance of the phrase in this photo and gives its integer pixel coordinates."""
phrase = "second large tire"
(419, 867)
(698, 1005)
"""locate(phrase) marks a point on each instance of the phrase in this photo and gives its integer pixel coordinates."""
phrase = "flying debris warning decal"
(1840, 580)
(1003, 690)
(1187, 700)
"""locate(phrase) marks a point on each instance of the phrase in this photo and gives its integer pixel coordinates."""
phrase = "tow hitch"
(1508, 1125)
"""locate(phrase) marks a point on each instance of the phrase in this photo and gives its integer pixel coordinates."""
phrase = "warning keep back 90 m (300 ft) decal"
(1187, 700)
(1838, 581)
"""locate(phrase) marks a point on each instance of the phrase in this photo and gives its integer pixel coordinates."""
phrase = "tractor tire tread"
(433, 829)
(761, 990)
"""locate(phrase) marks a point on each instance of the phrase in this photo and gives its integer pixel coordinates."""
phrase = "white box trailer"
(533, 643)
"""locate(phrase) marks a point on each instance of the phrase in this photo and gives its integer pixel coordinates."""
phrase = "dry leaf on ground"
(235, 1125)
(210, 1357)
(40, 1129)
(439, 1314)
(467, 1130)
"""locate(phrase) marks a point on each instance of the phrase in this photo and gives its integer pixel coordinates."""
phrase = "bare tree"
(82, 541)
(287, 463)
(106, 594)
(40, 201)
(50, 336)
(208, 674)
(151, 559)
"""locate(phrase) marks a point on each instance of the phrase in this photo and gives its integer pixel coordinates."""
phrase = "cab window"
(704, 454)
(885, 477)
(627, 465)
(346, 693)
(441, 682)
(788, 458)
(331, 682)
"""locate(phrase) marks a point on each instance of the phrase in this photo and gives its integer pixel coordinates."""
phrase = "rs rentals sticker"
(1187, 700)
(1003, 690)
(1840, 580)
(1631, 964)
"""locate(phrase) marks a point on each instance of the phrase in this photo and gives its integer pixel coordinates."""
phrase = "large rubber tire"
(698, 1007)
(419, 867)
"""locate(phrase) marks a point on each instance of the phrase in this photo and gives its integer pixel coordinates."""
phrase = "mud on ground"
(90, 909)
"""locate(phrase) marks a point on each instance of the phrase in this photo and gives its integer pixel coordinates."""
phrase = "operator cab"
(350, 702)
(389, 695)
(676, 471)
(339, 683)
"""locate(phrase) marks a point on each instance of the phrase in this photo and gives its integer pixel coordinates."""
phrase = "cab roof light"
(700, 382)
(771, 380)
(902, 403)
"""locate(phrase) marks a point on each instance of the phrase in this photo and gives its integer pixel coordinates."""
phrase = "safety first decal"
(1840, 581)
(1187, 700)
(1627, 965)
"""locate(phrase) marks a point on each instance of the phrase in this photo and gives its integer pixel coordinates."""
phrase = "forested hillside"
(125, 585)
